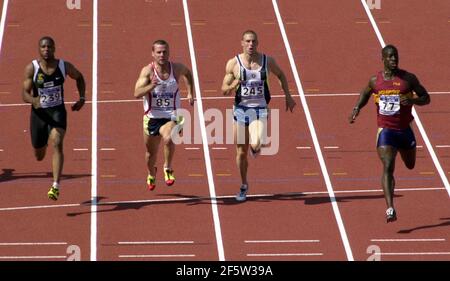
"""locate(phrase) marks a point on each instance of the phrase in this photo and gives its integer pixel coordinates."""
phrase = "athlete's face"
(47, 49)
(160, 54)
(249, 43)
(390, 59)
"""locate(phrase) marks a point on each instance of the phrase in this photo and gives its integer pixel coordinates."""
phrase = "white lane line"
(219, 148)
(153, 242)
(331, 147)
(211, 98)
(209, 172)
(443, 146)
(192, 148)
(416, 116)
(107, 149)
(1, 150)
(2, 22)
(413, 254)
(303, 147)
(80, 149)
(282, 241)
(31, 257)
(93, 238)
(158, 256)
(285, 255)
(410, 240)
(33, 243)
(312, 130)
(188, 199)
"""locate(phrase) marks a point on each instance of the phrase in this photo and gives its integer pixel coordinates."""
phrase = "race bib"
(163, 101)
(389, 105)
(252, 90)
(50, 97)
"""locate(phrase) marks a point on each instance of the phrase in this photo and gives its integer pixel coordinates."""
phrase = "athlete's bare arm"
(231, 80)
(423, 97)
(364, 97)
(27, 94)
(145, 84)
(181, 70)
(275, 69)
(75, 74)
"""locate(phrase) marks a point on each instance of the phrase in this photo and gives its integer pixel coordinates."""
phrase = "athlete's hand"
(190, 99)
(36, 102)
(78, 105)
(405, 100)
(233, 86)
(352, 116)
(290, 103)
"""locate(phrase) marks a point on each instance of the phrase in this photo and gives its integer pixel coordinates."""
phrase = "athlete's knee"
(241, 153)
(39, 154)
(410, 164)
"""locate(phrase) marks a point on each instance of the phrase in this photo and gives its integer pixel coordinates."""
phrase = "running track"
(105, 213)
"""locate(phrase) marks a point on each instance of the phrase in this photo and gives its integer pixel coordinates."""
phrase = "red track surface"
(336, 51)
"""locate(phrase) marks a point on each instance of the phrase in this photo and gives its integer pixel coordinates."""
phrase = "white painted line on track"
(331, 147)
(285, 255)
(2, 22)
(220, 148)
(443, 146)
(209, 172)
(410, 240)
(192, 148)
(188, 199)
(107, 149)
(210, 98)
(282, 241)
(80, 149)
(303, 147)
(413, 254)
(315, 139)
(158, 256)
(416, 116)
(93, 238)
(153, 242)
(33, 243)
(31, 257)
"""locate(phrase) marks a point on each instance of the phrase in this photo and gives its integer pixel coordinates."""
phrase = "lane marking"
(158, 256)
(188, 199)
(93, 238)
(303, 147)
(223, 175)
(80, 149)
(2, 22)
(209, 172)
(331, 147)
(413, 254)
(426, 173)
(322, 95)
(108, 176)
(281, 241)
(153, 242)
(31, 257)
(410, 240)
(416, 116)
(107, 149)
(219, 148)
(340, 174)
(285, 255)
(195, 175)
(443, 146)
(192, 148)
(33, 243)
(312, 130)
(1, 150)
(310, 174)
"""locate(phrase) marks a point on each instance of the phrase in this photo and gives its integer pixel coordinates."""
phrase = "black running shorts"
(43, 120)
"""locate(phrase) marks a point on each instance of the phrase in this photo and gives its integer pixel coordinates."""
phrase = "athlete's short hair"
(159, 42)
(48, 38)
(388, 47)
(249, 31)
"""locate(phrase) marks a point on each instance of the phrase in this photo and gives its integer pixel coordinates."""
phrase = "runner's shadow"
(133, 205)
(9, 175)
(445, 223)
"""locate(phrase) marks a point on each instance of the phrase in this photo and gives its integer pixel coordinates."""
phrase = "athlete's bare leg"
(169, 147)
(57, 140)
(241, 139)
(151, 144)
(387, 156)
(257, 132)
